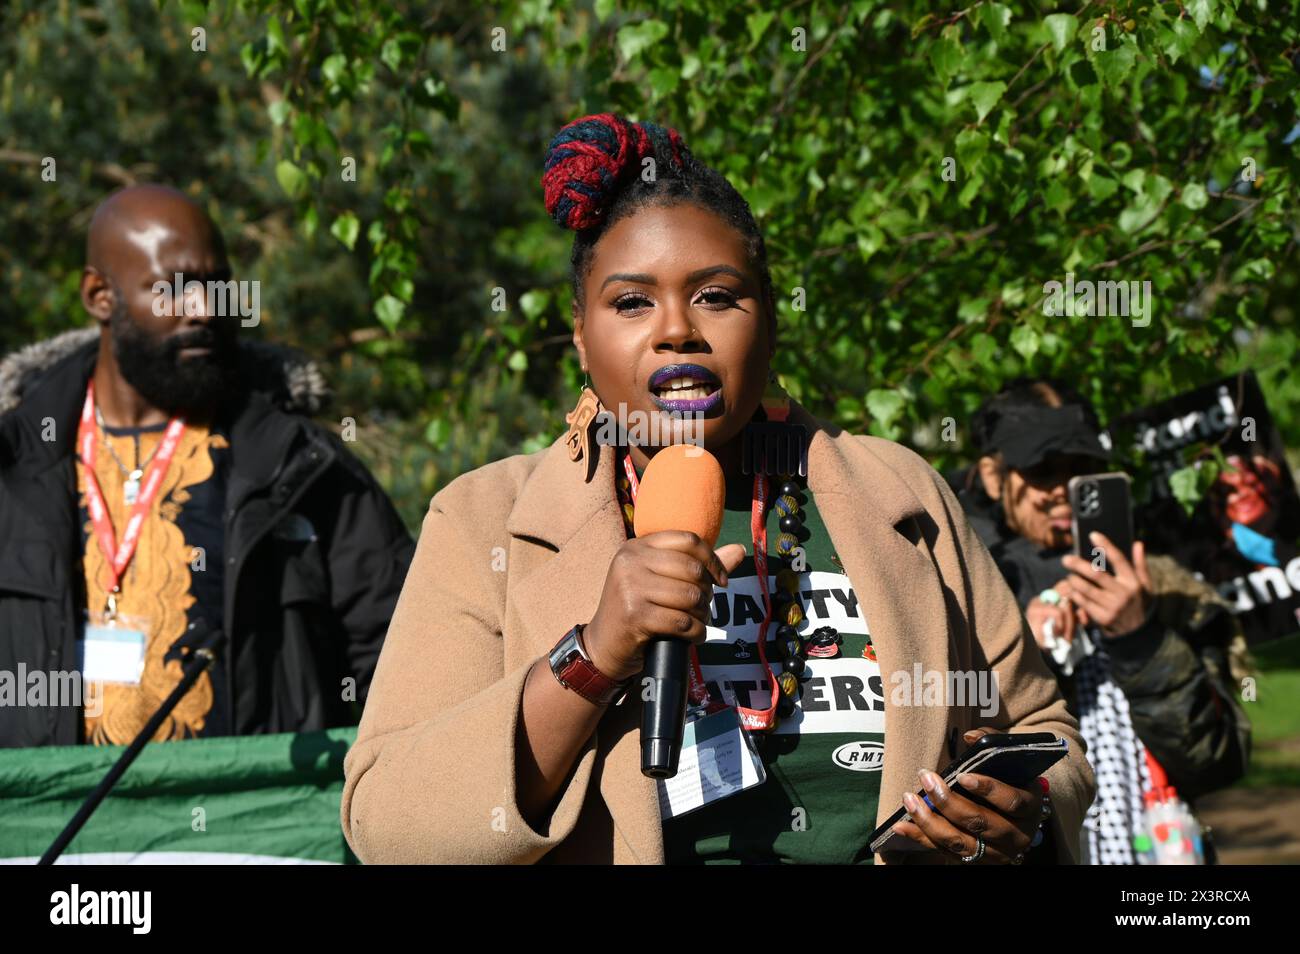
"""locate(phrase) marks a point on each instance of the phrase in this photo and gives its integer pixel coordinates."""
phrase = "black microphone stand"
(203, 656)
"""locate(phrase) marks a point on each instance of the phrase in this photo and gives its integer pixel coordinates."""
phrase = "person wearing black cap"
(1147, 657)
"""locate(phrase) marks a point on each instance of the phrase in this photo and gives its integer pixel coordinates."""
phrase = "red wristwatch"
(573, 669)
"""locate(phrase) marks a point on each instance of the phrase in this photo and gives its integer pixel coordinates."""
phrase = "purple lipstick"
(685, 388)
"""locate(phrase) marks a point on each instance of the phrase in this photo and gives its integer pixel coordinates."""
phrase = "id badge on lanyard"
(718, 759)
(114, 645)
(113, 649)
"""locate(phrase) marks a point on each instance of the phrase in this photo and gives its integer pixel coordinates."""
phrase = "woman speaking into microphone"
(843, 601)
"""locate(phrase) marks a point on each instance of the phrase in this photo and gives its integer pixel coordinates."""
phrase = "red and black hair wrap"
(590, 159)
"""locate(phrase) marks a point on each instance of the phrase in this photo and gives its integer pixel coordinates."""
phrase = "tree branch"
(105, 170)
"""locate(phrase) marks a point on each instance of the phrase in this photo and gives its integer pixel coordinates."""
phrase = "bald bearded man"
(160, 467)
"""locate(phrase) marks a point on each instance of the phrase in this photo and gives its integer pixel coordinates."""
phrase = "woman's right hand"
(657, 585)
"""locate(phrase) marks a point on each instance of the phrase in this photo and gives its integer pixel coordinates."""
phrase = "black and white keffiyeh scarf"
(1118, 760)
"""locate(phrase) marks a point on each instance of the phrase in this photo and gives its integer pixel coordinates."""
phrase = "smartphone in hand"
(1016, 758)
(1101, 503)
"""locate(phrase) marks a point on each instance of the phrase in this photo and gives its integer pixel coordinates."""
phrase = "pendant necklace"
(131, 483)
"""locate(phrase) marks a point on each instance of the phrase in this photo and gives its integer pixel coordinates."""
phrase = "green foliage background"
(920, 291)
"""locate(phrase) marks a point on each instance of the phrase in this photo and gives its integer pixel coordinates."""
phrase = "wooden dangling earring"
(578, 439)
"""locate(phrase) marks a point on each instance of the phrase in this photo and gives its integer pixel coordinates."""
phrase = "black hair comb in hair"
(774, 446)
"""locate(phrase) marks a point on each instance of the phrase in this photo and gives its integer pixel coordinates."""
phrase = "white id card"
(113, 650)
(717, 760)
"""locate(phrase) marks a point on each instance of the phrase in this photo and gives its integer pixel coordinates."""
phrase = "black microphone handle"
(663, 714)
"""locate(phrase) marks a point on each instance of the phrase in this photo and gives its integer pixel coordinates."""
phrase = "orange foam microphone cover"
(682, 489)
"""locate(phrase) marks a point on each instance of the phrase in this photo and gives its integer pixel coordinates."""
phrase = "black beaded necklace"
(794, 649)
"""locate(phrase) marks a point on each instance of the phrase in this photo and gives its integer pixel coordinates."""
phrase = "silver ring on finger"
(979, 852)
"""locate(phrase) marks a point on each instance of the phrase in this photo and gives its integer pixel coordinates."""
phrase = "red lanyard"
(761, 719)
(119, 554)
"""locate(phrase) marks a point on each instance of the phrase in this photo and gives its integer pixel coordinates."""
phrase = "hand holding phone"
(990, 788)
(1108, 582)
(1118, 600)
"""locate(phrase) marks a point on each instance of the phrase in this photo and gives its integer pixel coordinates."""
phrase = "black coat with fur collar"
(305, 610)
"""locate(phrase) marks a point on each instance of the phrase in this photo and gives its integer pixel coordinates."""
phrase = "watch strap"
(578, 673)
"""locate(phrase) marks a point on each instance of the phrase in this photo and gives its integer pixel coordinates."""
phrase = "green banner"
(262, 799)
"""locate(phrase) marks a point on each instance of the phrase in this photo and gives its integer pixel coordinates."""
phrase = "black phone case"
(1101, 502)
(1013, 758)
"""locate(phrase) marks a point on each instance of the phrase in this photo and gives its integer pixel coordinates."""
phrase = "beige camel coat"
(514, 553)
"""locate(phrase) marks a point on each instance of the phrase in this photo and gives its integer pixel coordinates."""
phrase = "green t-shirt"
(818, 804)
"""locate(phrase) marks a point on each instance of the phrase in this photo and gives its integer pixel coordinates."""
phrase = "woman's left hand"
(1007, 827)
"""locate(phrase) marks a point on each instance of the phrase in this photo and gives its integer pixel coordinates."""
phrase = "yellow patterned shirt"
(175, 575)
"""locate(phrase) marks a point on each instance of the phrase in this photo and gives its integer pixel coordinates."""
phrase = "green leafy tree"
(920, 175)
